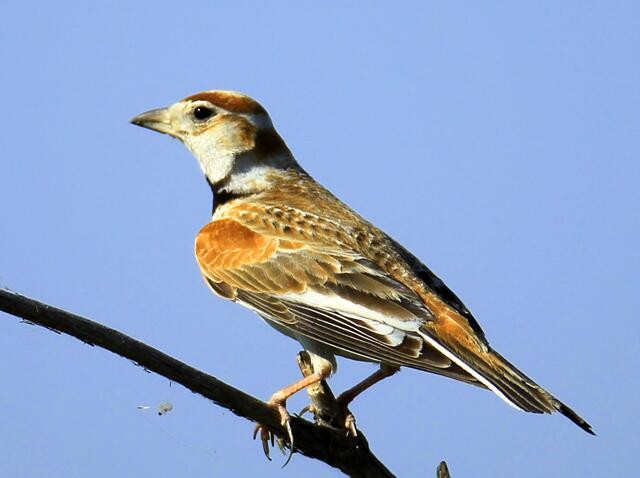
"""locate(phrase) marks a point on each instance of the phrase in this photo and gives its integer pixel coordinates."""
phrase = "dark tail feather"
(497, 374)
(574, 417)
(524, 391)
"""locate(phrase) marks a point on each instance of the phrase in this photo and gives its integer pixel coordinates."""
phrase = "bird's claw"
(308, 409)
(349, 418)
(267, 436)
(350, 424)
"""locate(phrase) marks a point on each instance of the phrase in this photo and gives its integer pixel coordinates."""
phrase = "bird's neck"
(222, 196)
(251, 172)
(246, 178)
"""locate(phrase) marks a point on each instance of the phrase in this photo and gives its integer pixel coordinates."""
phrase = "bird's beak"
(157, 120)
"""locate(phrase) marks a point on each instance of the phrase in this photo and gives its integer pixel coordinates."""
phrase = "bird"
(282, 245)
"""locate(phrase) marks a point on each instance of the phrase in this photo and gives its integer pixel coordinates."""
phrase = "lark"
(282, 245)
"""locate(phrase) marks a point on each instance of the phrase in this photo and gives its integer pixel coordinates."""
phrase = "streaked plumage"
(282, 245)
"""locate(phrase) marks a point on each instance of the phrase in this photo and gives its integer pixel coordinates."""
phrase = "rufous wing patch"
(227, 244)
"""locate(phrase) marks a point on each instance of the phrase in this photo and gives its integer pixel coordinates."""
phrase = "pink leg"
(349, 395)
(278, 401)
(383, 372)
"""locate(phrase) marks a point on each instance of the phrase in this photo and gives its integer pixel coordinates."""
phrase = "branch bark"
(351, 456)
(323, 442)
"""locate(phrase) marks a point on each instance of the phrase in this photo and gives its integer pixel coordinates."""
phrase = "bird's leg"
(278, 401)
(349, 395)
(323, 404)
(383, 372)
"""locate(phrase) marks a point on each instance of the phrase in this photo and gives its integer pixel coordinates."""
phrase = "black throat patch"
(222, 196)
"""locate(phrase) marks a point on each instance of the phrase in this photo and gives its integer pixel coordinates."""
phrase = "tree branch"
(332, 446)
(321, 441)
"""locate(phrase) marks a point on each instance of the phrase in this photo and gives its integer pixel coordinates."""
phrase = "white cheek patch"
(215, 161)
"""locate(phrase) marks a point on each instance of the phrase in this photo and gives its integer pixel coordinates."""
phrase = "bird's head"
(229, 133)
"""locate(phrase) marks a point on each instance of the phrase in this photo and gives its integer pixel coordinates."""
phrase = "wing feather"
(318, 271)
(338, 298)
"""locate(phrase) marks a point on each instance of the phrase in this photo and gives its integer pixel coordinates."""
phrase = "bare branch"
(351, 455)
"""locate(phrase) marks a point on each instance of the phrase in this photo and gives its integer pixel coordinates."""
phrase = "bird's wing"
(314, 287)
(306, 276)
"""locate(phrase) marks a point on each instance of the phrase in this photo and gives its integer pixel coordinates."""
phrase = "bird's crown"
(231, 101)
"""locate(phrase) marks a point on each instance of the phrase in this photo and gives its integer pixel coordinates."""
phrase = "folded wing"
(322, 288)
(321, 292)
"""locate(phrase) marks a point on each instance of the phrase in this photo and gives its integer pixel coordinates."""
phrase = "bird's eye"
(202, 113)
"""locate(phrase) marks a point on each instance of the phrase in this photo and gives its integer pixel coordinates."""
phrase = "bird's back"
(303, 210)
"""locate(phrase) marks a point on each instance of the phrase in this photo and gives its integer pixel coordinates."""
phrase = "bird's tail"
(505, 380)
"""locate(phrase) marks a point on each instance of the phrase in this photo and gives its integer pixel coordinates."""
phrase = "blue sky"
(499, 142)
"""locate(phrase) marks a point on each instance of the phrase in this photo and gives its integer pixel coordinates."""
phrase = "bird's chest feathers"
(227, 244)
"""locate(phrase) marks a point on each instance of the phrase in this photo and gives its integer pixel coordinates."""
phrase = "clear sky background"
(497, 141)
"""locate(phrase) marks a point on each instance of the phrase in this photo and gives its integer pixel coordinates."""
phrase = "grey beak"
(156, 120)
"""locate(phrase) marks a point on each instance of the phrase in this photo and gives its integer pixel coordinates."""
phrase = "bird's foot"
(350, 424)
(267, 436)
(349, 419)
(311, 408)
(344, 418)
